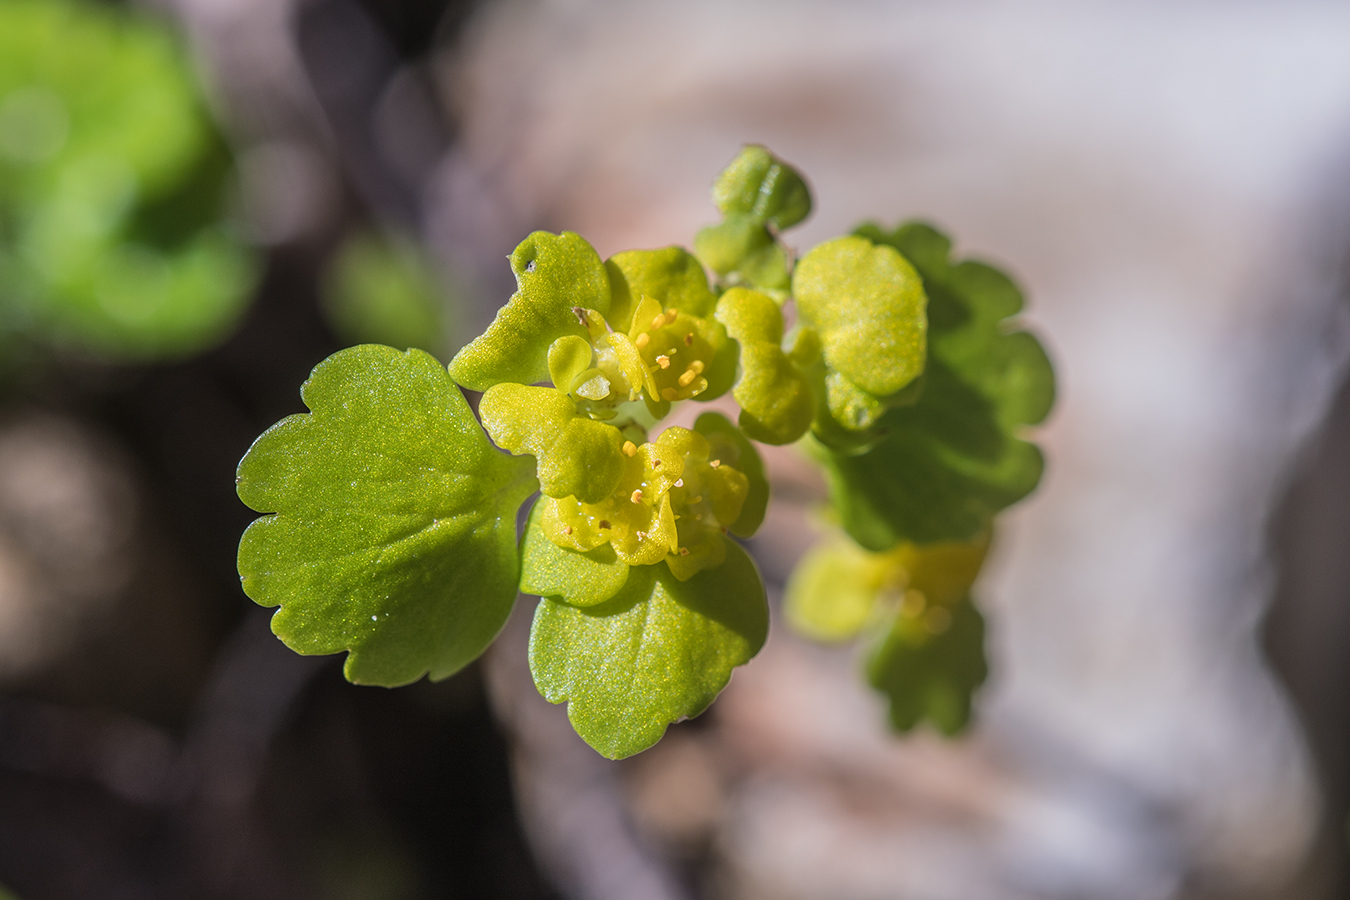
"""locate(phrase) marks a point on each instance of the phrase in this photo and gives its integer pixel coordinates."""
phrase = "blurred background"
(201, 199)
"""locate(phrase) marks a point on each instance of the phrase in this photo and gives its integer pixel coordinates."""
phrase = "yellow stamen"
(629, 448)
(636, 496)
(715, 463)
(659, 321)
(663, 361)
(642, 340)
(671, 316)
(687, 378)
(696, 367)
(679, 482)
(670, 394)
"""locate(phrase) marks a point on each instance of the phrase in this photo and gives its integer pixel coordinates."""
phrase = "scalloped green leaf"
(867, 305)
(729, 444)
(671, 276)
(776, 399)
(930, 669)
(576, 455)
(763, 187)
(391, 526)
(555, 273)
(659, 651)
(569, 576)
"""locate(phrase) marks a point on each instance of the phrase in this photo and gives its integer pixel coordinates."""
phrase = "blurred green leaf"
(385, 291)
(948, 463)
(929, 665)
(112, 187)
(392, 526)
(659, 651)
(867, 305)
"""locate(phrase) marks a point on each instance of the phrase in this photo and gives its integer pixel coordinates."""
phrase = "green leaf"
(384, 291)
(569, 576)
(741, 249)
(659, 651)
(952, 460)
(670, 276)
(113, 188)
(577, 456)
(392, 526)
(729, 445)
(867, 305)
(555, 273)
(761, 186)
(834, 589)
(776, 399)
(930, 665)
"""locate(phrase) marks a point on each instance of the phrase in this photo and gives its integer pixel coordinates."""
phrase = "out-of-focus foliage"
(383, 290)
(113, 187)
(947, 463)
(925, 637)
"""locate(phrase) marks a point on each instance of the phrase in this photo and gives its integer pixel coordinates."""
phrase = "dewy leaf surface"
(555, 273)
(950, 461)
(659, 651)
(392, 526)
(929, 675)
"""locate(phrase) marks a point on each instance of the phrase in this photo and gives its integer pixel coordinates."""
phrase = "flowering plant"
(391, 518)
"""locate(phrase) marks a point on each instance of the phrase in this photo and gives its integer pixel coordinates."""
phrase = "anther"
(656, 464)
(689, 339)
(698, 499)
(567, 529)
(684, 551)
(696, 367)
(715, 463)
(642, 340)
(679, 482)
(659, 321)
(663, 361)
(671, 316)
(670, 394)
(604, 523)
(641, 535)
(636, 496)
(688, 377)
(629, 448)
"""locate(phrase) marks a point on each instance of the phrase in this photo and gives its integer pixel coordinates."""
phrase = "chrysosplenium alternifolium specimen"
(391, 526)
